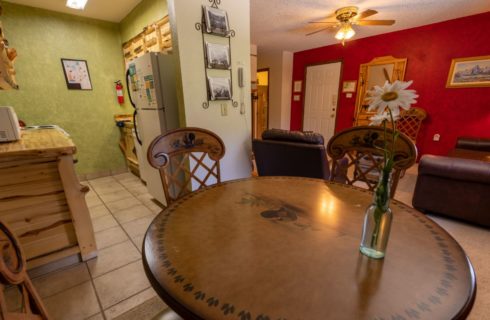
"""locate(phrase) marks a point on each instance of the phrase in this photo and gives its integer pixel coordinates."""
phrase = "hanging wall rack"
(214, 23)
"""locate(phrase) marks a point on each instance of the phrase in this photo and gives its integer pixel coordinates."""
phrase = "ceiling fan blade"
(375, 22)
(324, 22)
(330, 16)
(319, 30)
(365, 14)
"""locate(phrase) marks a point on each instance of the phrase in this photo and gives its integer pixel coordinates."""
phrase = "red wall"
(429, 50)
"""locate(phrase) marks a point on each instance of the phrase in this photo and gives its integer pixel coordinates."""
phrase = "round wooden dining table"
(288, 248)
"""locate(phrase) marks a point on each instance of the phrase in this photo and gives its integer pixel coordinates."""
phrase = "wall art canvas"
(216, 21)
(469, 72)
(219, 88)
(76, 74)
(217, 56)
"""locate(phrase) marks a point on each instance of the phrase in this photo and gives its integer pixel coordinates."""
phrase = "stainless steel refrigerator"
(152, 90)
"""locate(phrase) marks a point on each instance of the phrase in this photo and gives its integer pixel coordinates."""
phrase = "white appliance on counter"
(151, 86)
(9, 125)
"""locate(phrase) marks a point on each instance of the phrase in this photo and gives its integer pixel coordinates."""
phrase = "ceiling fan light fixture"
(76, 4)
(345, 32)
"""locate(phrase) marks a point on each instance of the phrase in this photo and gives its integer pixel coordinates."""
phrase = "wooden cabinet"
(41, 198)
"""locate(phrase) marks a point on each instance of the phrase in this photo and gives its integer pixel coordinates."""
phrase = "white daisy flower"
(393, 96)
(378, 119)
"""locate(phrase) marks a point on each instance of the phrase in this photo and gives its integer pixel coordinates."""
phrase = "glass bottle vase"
(377, 221)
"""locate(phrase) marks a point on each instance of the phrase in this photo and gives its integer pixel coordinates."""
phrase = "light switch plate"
(224, 109)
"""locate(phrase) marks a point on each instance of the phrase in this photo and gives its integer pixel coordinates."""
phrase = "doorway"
(260, 115)
(321, 98)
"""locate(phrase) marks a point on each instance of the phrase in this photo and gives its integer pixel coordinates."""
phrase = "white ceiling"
(280, 24)
(108, 10)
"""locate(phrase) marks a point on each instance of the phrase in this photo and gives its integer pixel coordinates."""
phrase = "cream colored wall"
(280, 66)
(234, 128)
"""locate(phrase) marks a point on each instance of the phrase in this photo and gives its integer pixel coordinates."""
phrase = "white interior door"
(321, 95)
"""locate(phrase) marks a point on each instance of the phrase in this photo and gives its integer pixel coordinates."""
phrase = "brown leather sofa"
(291, 153)
(457, 187)
(470, 143)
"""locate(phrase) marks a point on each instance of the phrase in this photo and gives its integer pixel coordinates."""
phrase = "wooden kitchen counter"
(41, 198)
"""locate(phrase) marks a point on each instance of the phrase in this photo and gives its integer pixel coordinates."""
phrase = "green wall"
(41, 38)
(146, 12)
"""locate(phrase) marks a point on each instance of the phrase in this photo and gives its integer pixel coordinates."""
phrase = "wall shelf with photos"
(216, 43)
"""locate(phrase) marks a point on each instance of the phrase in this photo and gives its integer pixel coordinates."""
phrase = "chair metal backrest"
(13, 273)
(361, 146)
(187, 159)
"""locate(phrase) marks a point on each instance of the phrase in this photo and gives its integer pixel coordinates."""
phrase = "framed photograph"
(297, 86)
(216, 21)
(76, 74)
(219, 88)
(217, 56)
(469, 72)
(349, 86)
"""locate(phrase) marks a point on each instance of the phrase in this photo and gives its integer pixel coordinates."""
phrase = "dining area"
(266, 247)
(316, 234)
(288, 248)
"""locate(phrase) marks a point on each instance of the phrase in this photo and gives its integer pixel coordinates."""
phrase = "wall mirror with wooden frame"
(375, 73)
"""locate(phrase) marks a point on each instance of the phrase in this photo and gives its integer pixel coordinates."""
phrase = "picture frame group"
(469, 72)
(218, 56)
(219, 88)
(216, 21)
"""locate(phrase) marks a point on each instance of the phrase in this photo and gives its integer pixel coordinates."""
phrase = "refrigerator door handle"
(136, 127)
(129, 94)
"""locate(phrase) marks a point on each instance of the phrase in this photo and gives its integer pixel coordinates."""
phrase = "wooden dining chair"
(188, 160)
(13, 273)
(410, 122)
(361, 146)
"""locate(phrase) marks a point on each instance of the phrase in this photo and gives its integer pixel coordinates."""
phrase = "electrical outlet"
(224, 109)
(437, 137)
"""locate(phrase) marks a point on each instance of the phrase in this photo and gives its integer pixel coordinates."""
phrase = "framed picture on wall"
(219, 88)
(469, 72)
(216, 21)
(217, 56)
(349, 86)
(76, 74)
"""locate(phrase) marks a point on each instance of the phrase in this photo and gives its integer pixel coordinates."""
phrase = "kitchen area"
(142, 89)
(80, 101)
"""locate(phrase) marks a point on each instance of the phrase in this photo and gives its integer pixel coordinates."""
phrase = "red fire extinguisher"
(119, 92)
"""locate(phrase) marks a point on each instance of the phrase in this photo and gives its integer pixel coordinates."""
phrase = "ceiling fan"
(346, 18)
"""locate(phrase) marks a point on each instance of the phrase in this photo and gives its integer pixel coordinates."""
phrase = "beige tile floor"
(121, 210)
(114, 282)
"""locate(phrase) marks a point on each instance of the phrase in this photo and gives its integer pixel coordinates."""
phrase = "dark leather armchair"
(291, 153)
(455, 187)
